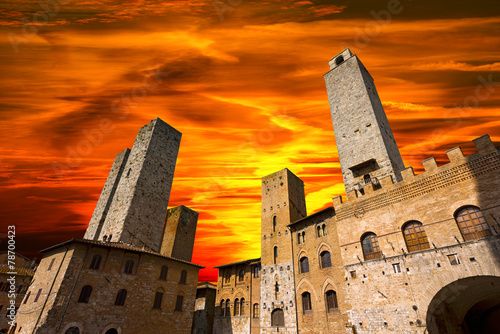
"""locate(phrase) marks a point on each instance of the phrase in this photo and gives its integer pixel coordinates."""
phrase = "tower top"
(365, 143)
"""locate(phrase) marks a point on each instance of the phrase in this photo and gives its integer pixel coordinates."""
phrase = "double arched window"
(415, 236)
(236, 307)
(304, 265)
(472, 224)
(302, 237)
(371, 249)
(326, 261)
(321, 229)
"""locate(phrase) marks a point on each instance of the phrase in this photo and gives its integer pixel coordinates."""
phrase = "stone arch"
(111, 326)
(301, 254)
(304, 285)
(73, 324)
(323, 246)
(327, 285)
(468, 305)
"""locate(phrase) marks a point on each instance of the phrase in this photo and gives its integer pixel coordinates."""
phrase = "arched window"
(415, 236)
(236, 307)
(326, 261)
(306, 302)
(241, 276)
(85, 294)
(275, 222)
(472, 224)
(242, 306)
(163, 273)
(318, 228)
(158, 299)
(96, 262)
(256, 310)
(222, 308)
(323, 229)
(178, 303)
(371, 250)
(112, 331)
(227, 276)
(72, 330)
(302, 237)
(120, 297)
(227, 311)
(277, 317)
(331, 300)
(129, 267)
(304, 265)
(275, 254)
(183, 277)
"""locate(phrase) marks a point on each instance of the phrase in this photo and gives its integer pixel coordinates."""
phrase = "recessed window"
(178, 303)
(326, 261)
(415, 236)
(275, 254)
(453, 259)
(353, 274)
(51, 264)
(304, 265)
(164, 273)
(120, 297)
(158, 299)
(256, 271)
(236, 307)
(241, 275)
(339, 60)
(129, 267)
(371, 249)
(301, 237)
(306, 302)
(472, 224)
(38, 295)
(183, 277)
(331, 300)
(96, 262)
(85, 294)
(275, 223)
(396, 267)
(256, 311)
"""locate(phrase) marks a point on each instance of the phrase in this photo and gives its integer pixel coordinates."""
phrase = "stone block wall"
(179, 233)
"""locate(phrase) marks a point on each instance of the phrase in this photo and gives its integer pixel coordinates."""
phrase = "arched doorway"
(112, 331)
(72, 330)
(467, 306)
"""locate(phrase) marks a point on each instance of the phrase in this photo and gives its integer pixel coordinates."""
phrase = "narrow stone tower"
(366, 147)
(133, 203)
(283, 202)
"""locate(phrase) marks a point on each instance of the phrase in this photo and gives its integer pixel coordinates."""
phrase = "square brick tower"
(366, 147)
(283, 202)
(133, 203)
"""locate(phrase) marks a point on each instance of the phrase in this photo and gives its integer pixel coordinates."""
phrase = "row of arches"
(239, 307)
(469, 219)
(325, 262)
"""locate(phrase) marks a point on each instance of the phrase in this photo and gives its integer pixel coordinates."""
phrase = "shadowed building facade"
(402, 253)
(132, 272)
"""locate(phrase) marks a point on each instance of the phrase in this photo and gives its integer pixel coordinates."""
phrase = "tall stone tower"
(366, 147)
(283, 202)
(179, 233)
(133, 203)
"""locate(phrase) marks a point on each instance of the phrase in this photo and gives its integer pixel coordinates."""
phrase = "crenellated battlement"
(381, 192)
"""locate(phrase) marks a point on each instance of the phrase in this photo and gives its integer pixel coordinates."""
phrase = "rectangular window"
(178, 303)
(51, 264)
(453, 259)
(256, 272)
(396, 267)
(38, 295)
(353, 274)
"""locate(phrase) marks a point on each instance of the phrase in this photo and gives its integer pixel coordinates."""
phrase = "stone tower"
(133, 203)
(283, 202)
(366, 147)
(179, 233)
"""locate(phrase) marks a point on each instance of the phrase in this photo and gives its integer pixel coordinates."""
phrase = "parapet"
(377, 192)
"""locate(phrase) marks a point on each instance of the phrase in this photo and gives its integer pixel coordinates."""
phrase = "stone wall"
(58, 309)
(179, 233)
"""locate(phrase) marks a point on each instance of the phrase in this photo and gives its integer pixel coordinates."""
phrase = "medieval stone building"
(402, 253)
(132, 272)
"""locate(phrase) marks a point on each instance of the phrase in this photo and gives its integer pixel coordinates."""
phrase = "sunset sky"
(243, 81)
